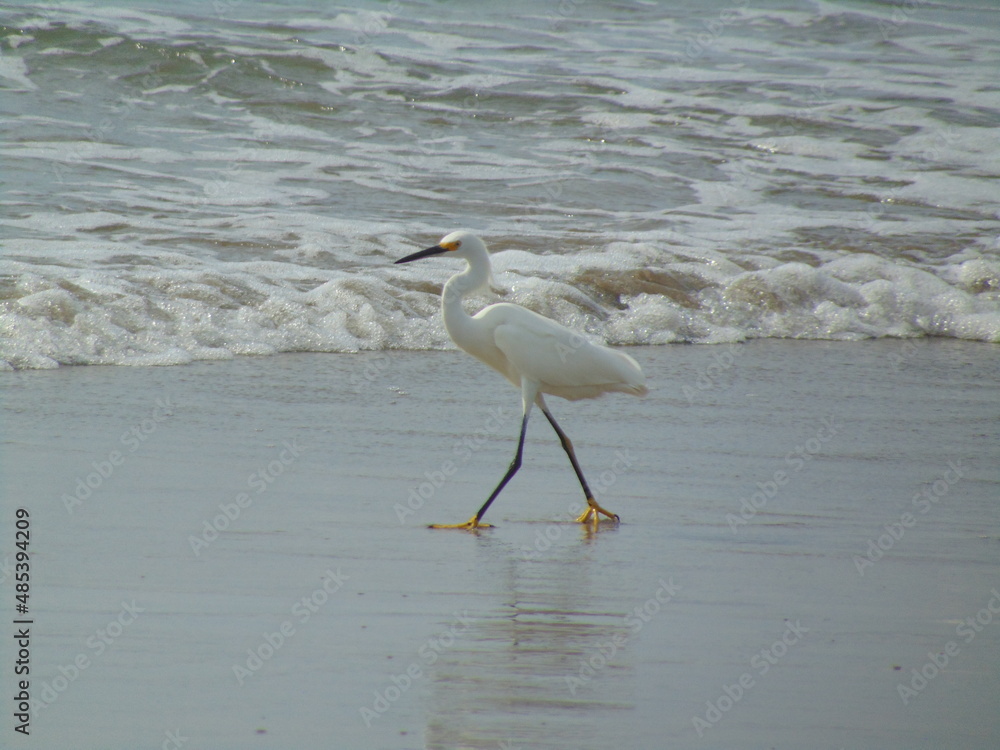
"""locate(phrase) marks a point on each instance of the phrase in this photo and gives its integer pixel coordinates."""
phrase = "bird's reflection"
(541, 661)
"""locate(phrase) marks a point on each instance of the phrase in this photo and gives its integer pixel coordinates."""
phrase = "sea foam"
(165, 314)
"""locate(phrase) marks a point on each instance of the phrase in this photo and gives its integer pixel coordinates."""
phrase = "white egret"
(534, 353)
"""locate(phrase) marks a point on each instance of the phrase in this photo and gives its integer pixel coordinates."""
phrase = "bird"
(537, 355)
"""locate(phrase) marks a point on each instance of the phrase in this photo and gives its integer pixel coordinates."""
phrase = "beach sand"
(235, 554)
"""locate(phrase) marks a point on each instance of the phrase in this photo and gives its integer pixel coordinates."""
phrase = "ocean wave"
(168, 312)
(206, 182)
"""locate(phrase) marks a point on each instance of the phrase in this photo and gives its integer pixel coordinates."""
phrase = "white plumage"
(535, 354)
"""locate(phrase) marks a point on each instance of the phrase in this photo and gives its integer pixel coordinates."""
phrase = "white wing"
(562, 361)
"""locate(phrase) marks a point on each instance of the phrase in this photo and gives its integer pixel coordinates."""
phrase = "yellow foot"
(594, 512)
(471, 525)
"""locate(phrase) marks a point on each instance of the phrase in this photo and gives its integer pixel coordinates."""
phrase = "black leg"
(568, 447)
(511, 470)
(594, 508)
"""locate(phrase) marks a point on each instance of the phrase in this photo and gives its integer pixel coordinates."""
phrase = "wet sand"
(235, 554)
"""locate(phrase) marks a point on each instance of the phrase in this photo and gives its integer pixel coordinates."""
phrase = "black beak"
(436, 250)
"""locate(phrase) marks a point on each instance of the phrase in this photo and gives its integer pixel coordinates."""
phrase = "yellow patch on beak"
(449, 245)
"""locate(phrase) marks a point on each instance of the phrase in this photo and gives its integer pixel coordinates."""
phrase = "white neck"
(474, 277)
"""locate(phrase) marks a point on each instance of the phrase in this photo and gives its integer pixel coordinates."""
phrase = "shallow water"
(525, 635)
(201, 181)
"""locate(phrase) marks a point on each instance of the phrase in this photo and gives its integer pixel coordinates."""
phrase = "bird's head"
(461, 244)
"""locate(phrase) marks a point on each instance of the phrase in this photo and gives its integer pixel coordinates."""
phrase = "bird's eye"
(458, 244)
